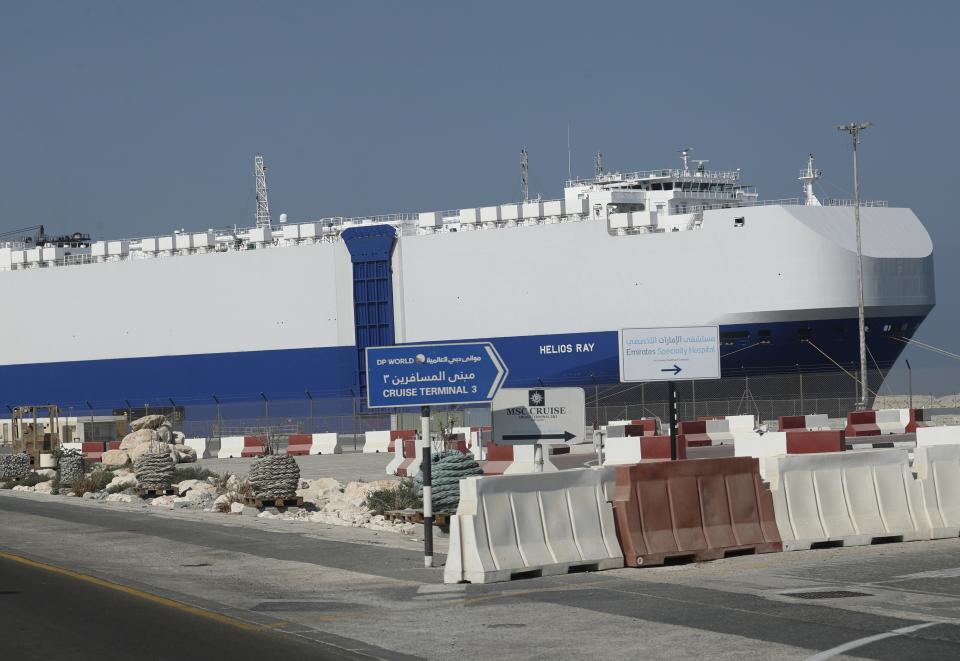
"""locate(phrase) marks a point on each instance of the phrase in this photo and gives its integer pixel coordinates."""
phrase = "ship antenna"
(263, 204)
(524, 175)
(598, 165)
(569, 156)
(685, 157)
(809, 176)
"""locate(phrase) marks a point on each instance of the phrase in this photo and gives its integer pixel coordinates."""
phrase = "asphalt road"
(892, 601)
(46, 613)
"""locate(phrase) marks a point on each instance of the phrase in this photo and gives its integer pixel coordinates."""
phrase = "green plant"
(6, 485)
(60, 452)
(33, 479)
(55, 485)
(192, 473)
(93, 482)
(401, 497)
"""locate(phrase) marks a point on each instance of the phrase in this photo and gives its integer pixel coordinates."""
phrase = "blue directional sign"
(433, 374)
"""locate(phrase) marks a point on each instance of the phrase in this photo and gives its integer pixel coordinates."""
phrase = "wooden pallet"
(416, 516)
(155, 493)
(261, 503)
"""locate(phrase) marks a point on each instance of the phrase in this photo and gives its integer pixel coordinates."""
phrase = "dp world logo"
(536, 398)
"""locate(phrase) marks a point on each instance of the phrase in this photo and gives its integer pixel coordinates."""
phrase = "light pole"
(909, 381)
(854, 129)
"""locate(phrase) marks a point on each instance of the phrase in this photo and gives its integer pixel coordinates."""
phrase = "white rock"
(125, 481)
(179, 438)
(47, 472)
(21, 487)
(221, 502)
(356, 493)
(44, 487)
(119, 498)
(164, 501)
(132, 440)
(164, 434)
(266, 515)
(319, 491)
(115, 458)
(236, 508)
(148, 422)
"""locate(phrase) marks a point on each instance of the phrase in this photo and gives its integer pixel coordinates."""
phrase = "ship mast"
(524, 175)
(809, 176)
(263, 204)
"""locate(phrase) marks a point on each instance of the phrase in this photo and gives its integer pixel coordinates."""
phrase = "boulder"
(164, 501)
(148, 422)
(319, 491)
(115, 458)
(144, 448)
(47, 472)
(236, 508)
(184, 454)
(125, 481)
(355, 493)
(119, 498)
(132, 440)
(21, 487)
(222, 502)
(179, 438)
(164, 434)
(196, 488)
(44, 487)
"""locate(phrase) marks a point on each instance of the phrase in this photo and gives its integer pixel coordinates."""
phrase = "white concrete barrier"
(231, 447)
(510, 526)
(817, 422)
(523, 461)
(199, 446)
(741, 423)
(947, 435)
(328, 443)
(892, 421)
(752, 444)
(938, 470)
(376, 441)
(719, 432)
(846, 498)
(397, 459)
(621, 450)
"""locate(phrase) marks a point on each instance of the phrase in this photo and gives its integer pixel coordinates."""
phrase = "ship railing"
(849, 203)
(616, 177)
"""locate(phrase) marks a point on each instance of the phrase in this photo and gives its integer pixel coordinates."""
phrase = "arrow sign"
(537, 415)
(675, 369)
(565, 437)
(433, 374)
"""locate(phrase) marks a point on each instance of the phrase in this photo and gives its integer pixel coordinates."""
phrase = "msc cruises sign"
(433, 374)
(669, 354)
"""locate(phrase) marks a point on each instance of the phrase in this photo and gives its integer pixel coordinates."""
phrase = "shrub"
(33, 479)
(95, 481)
(401, 497)
(192, 473)
(6, 485)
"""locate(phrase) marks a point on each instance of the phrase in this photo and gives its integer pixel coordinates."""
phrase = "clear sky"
(125, 118)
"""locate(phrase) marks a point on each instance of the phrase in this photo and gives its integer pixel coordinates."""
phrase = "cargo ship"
(285, 310)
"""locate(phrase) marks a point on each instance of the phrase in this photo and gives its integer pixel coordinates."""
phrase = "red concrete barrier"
(401, 434)
(806, 442)
(254, 446)
(645, 427)
(788, 422)
(113, 445)
(701, 509)
(694, 433)
(93, 450)
(409, 457)
(862, 423)
(299, 445)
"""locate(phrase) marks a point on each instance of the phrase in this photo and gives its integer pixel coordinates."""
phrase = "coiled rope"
(275, 476)
(154, 470)
(449, 467)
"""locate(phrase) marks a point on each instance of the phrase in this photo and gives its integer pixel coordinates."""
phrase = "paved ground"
(48, 613)
(360, 589)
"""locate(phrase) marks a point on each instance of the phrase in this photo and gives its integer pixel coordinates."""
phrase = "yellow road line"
(133, 592)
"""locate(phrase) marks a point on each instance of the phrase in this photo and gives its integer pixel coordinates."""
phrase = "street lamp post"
(854, 129)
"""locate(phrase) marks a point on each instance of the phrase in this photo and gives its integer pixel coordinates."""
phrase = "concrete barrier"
(401, 435)
(376, 441)
(93, 450)
(327, 443)
(515, 526)
(938, 470)
(946, 435)
(299, 445)
(694, 433)
(884, 421)
(861, 423)
(846, 498)
(623, 428)
(701, 509)
(752, 444)
(813, 422)
(619, 451)
(254, 446)
(810, 441)
(396, 460)
(199, 446)
(523, 460)
(231, 447)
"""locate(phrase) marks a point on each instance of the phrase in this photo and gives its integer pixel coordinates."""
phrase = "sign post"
(425, 375)
(673, 354)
